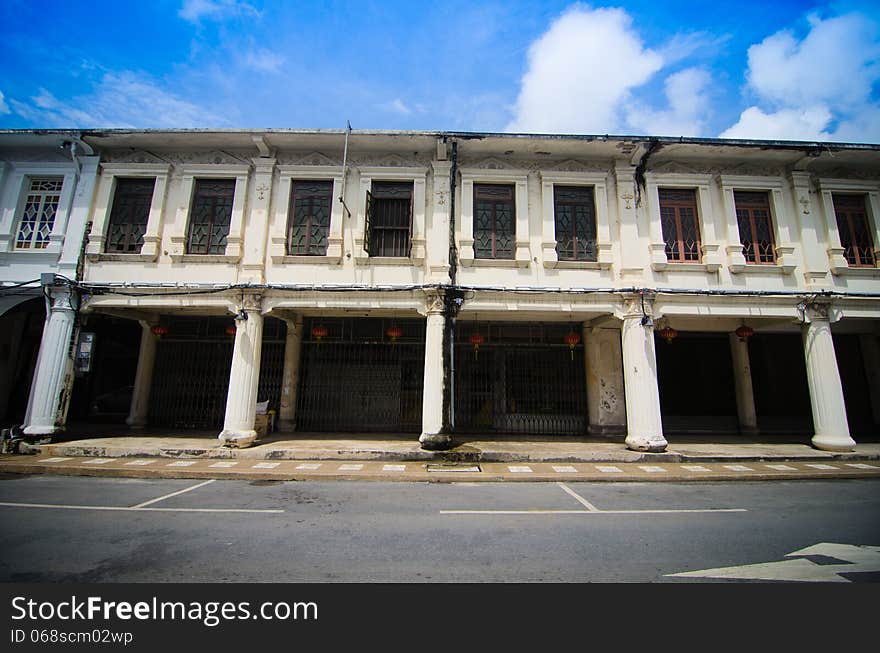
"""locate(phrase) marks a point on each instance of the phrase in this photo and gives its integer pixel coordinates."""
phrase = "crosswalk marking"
(609, 469)
(651, 468)
(54, 460)
(265, 466)
(224, 464)
(520, 469)
(819, 466)
(862, 466)
(782, 468)
(393, 468)
(98, 461)
(350, 468)
(309, 466)
(738, 468)
(181, 463)
(141, 462)
(696, 468)
(564, 469)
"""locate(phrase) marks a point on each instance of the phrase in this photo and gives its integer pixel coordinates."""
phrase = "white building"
(451, 283)
(46, 184)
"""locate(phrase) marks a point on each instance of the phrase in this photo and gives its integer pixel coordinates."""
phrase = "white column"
(244, 378)
(644, 424)
(432, 436)
(290, 376)
(742, 378)
(826, 393)
(604, 373)
(143, 378)
(52, 364)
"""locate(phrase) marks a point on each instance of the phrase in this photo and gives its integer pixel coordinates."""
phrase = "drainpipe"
(452, 300)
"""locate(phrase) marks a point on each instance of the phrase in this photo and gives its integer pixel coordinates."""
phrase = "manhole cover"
(452, 467)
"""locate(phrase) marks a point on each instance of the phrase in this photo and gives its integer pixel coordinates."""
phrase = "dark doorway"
(779, 381)
(856, 393)
(21, 330)
(695, 378)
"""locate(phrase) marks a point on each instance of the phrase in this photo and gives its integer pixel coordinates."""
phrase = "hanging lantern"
(572, 339)
(318, 332)
(476, 340)
(158, 330)
(744, 332)
(394, 332)
(230, 330)
(668, 333)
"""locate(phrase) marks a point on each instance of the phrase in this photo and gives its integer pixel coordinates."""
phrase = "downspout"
(452, 300)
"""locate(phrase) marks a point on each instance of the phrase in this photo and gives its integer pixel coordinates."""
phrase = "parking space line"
(589, 506)
(57, 506)
(174, 494)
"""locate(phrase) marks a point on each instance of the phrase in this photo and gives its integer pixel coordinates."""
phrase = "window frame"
(851, 231)
(33, 240)
(598, 181)
(113, 212)
(593, 243)
(754, 228)
(827, 187)
(494, 232)
(676, 205)
(378, 189)
(291, 216)
(212, 198)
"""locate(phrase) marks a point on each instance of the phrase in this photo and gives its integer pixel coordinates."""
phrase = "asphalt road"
(81, 529)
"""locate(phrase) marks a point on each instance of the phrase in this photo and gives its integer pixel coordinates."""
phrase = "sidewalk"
(396, 457)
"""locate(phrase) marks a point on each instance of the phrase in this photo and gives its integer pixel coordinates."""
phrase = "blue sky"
(784, 69)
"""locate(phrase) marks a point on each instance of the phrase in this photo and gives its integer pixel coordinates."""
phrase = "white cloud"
(195, 10)
(121, 99)
(263, 60)
(398, 106)
(816, 88)
(4, 108)
(581, 71)
(786, 124)
(688, 101)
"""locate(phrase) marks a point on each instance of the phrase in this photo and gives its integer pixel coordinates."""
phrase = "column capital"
(434, 302)
(636, 305)
(820, 310)
(62, 298)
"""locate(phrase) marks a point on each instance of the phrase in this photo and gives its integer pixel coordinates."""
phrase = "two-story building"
(455, 283)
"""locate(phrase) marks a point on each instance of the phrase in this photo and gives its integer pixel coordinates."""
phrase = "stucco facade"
(476, 293)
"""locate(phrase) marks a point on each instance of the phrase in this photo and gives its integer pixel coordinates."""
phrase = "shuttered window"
(129, 214)
(210, 216)
(388, 229)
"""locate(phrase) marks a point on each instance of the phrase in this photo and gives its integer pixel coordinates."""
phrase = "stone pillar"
(143, 378)
(290, 376)
(742, 378)
(432, 436)
(244, 377)
(826, 393)
(871, 357)
(604, 373)
(644, 423)
(52, 365)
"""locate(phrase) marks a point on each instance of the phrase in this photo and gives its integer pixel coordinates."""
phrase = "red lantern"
(394, 333)
(476, 340)
(668, 334)
(744, 332)
(230, 330)
(318, 332)
(158, 330)
(572, 339)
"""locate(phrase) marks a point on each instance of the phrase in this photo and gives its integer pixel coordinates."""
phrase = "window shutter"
(409, 240)
(368, 222)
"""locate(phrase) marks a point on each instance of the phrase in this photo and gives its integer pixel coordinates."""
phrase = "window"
(755, 228)
(128, 217)
(210, 215)
(38, 215)
(494, 221)
(389, 219)
(575, 216)
(681, 229)
(854, 230)
(308, 224)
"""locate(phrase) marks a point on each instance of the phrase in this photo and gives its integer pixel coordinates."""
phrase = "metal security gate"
(519, 378)
(357, 377)
(191, 373)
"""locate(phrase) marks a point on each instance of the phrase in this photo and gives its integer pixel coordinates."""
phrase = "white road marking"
(589, 506)
(181, 463)
(174, 494)
(589, 512)
(311, 466)
(564, 469)
(520, 469)
(862, 466)
(609, 469)
(97, 461)
(696, 468)
(738, 468)
(393, 468)
(265, 466)
(857, 559)
(818, 466)
(651, 468)
(141, 462)
(224, 464)
(782, 468)
(131, 509)
(350, 468)
(53, 460)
